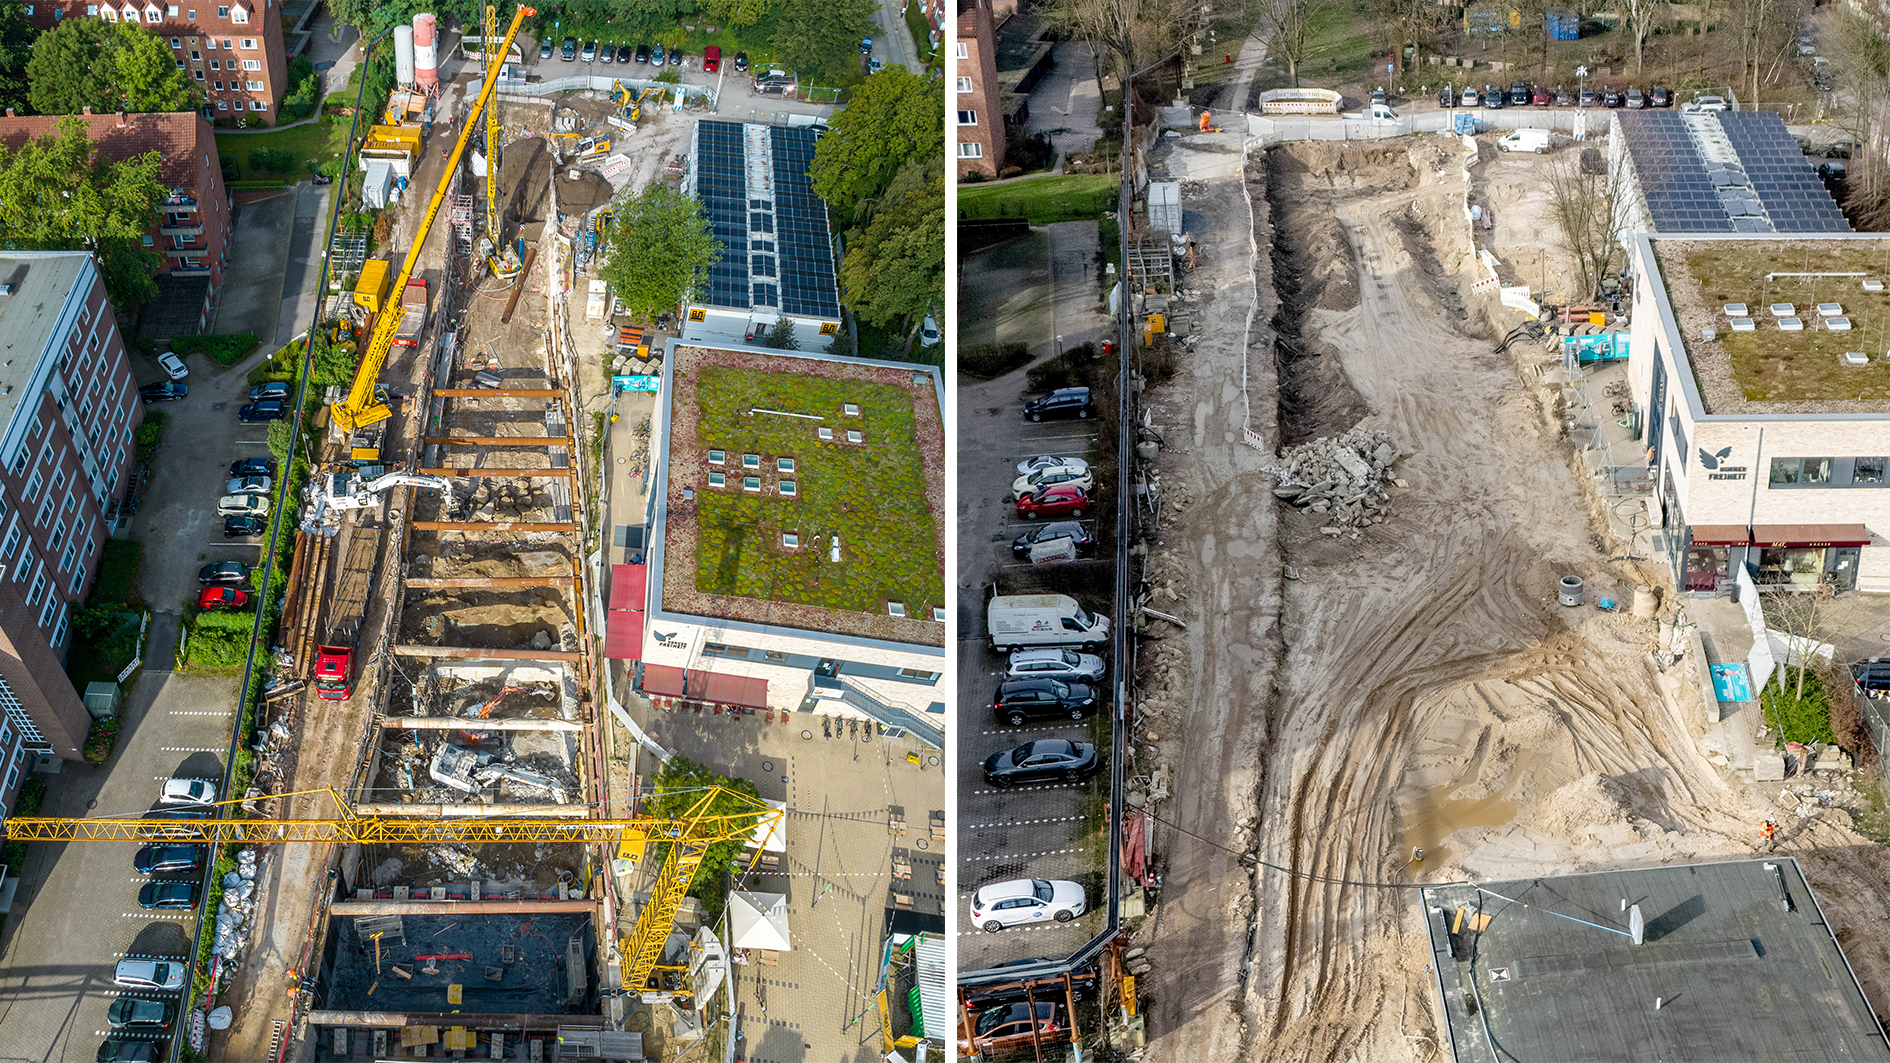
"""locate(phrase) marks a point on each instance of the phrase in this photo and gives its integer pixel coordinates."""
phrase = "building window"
(790, 540)
(177, 42)
(252, 64)
(789, 488)
(199, 76)
(239, 16)
(972, 150)
(963, 51)
(751, 483)
(223, 11)
(171, 10)
(967, 118)
(258, 105)
(13, 776)
(826, 433)
(1801, 471)
(1869, 471)
(854, 436)
(249, 44)
(196, 56)
(222, 105)
(39, 591)
(72, 555)
(723, 649)
(216, 64)
(78, 580)
(254, 86)
(219, 87)
(964, 84)
(774, 656)
(226, 44)
(32, 486)
(58, 636)
(57, 537)
(46, 614)
(784, 465)
(751, 461)
(718, 479)
(718, 457)
(12, 543)
(919, 674)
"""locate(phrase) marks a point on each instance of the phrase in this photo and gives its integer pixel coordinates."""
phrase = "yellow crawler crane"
(689, 837)
(362, 407)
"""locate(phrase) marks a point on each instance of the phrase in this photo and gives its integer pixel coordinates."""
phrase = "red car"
(222, 598)
(1055, 500)
(711, 59)
(1540, 96)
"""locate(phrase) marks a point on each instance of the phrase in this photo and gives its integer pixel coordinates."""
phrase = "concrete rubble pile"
(1344, 477)
(239, 901)
(503, 500)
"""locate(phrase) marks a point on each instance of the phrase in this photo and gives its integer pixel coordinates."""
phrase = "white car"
(1054, 474)
(1701, 104)
(149, 974)
(242, 506)
(928, 332)
(173, 365)
(188, 792)
(1045, 461)
(1024, 901)
(1055, 663)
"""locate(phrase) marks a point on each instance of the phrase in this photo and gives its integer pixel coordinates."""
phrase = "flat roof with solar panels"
(1724, 171)
(752, 180)
(1726, 961)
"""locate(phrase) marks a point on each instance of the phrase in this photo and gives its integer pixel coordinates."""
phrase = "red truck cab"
(334, 672)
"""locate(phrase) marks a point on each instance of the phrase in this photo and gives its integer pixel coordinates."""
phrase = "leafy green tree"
(780, 335)
(736, 13)
(55, 194)
(16, 47)
(895, 269)
(107, 66)
(820, 39)
(679, 785)
(660, 250)
(896, 117)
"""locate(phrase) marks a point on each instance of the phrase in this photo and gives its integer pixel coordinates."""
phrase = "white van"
(1020, 621)
(1536, 140)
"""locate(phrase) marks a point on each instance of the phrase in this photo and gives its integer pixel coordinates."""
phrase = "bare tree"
(1289, 26)
(1860, 48)
(1591, 213)
(1767, 31)
(1130, 32)
(1409, 22)
(1642, 17)
(1807, 619)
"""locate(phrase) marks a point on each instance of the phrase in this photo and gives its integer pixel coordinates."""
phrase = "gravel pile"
(1343, 477)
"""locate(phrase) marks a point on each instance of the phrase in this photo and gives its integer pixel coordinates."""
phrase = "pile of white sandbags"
(239, 901)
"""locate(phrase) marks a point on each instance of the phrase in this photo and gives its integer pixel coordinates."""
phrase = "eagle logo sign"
(1712, 460)
(661, 637)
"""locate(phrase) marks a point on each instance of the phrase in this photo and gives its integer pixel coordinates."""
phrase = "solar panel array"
(808, 285)
(1777, 169)
(722, 186)
(775, 253)
(1680, 197)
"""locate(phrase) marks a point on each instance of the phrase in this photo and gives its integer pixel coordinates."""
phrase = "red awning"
(662, 680)
(1810, 535)
(1720, 535)
(628, 583)
(623, 626)
(719, 689)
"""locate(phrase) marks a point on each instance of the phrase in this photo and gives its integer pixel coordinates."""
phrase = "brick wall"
(197, 31)
(977, 107)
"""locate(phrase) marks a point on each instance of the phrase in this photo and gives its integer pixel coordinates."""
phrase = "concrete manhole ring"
(925, 843)
(808, 735)
(933, 761)
(767, 765)
(620, 461)
(91, 804)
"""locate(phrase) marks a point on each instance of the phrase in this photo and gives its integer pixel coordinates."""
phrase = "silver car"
(1056, 664)
(149, 974)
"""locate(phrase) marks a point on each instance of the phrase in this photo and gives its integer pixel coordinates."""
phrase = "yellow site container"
(371, 290)
(1597, 319)
(1157, 324)
(398, 137)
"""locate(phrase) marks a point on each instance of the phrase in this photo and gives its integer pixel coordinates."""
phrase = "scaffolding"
(346, 253)
(462, 218)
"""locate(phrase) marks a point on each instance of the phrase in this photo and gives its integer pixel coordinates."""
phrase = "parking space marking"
(1086, 437)
(1021, 856)
(192, 749)
(1019, 822)
(1012, 929)
(1023, 789)
(196, 712)
(1047, 727)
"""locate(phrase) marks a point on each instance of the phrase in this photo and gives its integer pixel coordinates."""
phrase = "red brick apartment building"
(232, 48)
(68, 405)
(979, 105)
(193, 229)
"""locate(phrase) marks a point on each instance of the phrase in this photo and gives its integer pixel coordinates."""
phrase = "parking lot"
(1041, 830)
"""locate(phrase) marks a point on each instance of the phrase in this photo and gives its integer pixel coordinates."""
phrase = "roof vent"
(1856, 358)
(895, 608)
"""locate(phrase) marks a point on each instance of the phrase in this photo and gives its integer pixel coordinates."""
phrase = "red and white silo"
(426, 52)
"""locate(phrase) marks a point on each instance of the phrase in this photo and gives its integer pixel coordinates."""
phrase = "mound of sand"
(1590, 801)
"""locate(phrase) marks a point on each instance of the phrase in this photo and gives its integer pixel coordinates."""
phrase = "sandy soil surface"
(1429, 690)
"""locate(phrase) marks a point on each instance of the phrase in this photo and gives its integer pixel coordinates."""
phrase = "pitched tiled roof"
(180, 137)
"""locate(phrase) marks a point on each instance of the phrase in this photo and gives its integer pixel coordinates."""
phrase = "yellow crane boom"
(689, 837)
(360, 408)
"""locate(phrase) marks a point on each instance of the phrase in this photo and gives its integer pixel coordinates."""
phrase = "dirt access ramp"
(1429, 690)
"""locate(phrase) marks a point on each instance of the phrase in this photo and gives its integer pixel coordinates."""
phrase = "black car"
(1014, 1026)
(1447, 96)
(624, 54)
(253, 467)
(275, 389)
(1019, 700)
(1611, 97)
(1519, 94)
(244, 527)
(196, 812)
(741, 62)
(116, 1051)
(1494, 99)
(1046, 758)
(164, 391)
(157, 859)
(266, 410)
(569, 51)
(1831, 171)
(675, 57)
(643, 53)
(1660, 96)
(165, 893)
(1083, 540)
(1563, 97)
(223, 572)
(130, 1013)
(1063, 402)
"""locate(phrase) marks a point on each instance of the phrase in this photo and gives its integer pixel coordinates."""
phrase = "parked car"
(223, 572)
(130, 1013)
(1020, 1026)
(242, 506)
(741, 62)
(1660, 96)
(1045, 760)
(180, 812)
(187, 792)
(625, 54)
(643, 53)
(1056, 500)
(274, 389)
(253, 467)
(149, 974)
(874, 66)
(1469, 97)
(866, 46)
(1057, 529)
(1636, 99)
(1063, 402)
(222, 598)
(1831, 171)
(1020, 700)
(1540, 96)
(247, 485)
(1494, 98)
(158, 859)
(607, 53)
(712, 59)
(1055, 474)
(1056, 663)
(1026, 900)
(657, 58)
(675, 56)
(1611, 97)
(1839, 149)
(928, 332)
(1519, 94)
(168, 894)
(263, 410)
(1586, 98)
(1702, 104)
(164, 391)
(244, 527)
(544, 48)
(172, 365)
(1447, 96)
(570, 49)
(1563, 97)
(1044, 461)
(117, 1051)
(590, 51)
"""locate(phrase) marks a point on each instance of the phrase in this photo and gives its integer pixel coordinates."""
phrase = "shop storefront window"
(1801, 566)
(1706, 566)
(1868, 471)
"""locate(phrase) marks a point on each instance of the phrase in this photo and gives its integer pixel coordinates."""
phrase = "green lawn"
(871, 495)
(317, 142)
(1041, 200)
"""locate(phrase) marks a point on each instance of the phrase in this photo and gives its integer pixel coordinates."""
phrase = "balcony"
(186, 252)
(177, 205)
(181, 230)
